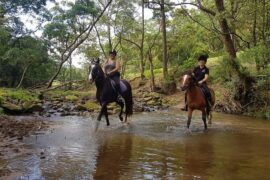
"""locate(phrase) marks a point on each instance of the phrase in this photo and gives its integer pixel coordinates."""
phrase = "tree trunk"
(23, 75)
(70, 73)
(56, 74)
(123, 69)
(254, 24)
(226, 36)
(150, 59)
(164, 40)
(227, 39)
(264, 22)
(244, 84)
(142, 44)
(109, 36)
(100, 44)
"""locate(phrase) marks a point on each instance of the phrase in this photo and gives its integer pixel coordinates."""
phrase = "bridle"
(192, 83)
(96, 77)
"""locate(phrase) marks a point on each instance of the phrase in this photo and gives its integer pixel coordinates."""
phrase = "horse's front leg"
(189, 117)
(102, 111)
(204, 118)
(106, 115)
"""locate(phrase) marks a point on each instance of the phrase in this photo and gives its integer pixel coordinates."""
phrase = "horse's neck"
(100, 83)
(193, 92)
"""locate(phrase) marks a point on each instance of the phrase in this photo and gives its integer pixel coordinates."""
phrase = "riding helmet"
(113, 52)
(203, 57)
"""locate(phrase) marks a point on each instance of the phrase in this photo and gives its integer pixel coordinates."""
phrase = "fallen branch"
(135, 78)
(59, 86)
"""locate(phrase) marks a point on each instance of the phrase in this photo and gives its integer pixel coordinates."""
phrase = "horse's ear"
(97, 61)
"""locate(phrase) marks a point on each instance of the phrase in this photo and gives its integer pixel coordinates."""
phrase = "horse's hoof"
(188, 131)
(121, 119)
(108, 124)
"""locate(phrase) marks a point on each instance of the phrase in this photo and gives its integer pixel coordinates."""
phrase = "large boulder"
(30, 107)
(80, 107)
(92, 106)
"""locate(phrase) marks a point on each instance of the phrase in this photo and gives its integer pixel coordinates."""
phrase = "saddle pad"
(123, 87)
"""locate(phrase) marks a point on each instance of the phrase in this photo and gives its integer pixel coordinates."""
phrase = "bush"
(18, 94)
(258, 55)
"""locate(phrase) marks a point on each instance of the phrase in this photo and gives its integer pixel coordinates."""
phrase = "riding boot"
(208, 105)
(119, 96)
(208, 97)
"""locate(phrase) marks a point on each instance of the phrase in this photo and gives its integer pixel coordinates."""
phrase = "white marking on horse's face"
(90, 74)
(185, 77)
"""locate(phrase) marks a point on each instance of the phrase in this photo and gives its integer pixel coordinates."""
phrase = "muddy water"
(152, 146)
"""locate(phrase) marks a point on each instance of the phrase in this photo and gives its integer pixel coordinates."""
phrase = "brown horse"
(196, 99)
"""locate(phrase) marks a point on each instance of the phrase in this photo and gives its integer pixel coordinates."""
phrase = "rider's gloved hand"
(201, 82)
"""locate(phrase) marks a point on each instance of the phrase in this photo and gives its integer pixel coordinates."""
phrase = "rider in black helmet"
(201, 74)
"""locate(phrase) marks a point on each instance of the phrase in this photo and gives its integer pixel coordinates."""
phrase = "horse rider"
(201, 74)
(111, 69)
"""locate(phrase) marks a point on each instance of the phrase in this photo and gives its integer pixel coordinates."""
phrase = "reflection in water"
(153, 146)
(114, 157)
(199, 155)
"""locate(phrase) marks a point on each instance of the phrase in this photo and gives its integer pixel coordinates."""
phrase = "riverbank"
(12, 132)
(81, 102)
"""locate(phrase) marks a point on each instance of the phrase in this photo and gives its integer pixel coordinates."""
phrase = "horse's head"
(95, 70)
(188, 81)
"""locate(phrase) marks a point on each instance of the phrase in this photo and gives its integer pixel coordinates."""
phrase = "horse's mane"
(100, 68)
(188, 72)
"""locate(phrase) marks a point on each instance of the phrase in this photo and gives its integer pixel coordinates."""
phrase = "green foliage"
(61, 93)
(259, 54)
(24, 53)
(18, 94)
(1, 100)
(83, 7)
(11, 6)
(2, 111)
(223, 66)
(71, 98)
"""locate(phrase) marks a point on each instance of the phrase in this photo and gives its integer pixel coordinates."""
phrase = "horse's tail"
(128, 99)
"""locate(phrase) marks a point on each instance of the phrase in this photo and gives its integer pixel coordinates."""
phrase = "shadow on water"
(152, 146)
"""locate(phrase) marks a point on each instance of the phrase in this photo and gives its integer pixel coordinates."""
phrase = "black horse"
(106, 92)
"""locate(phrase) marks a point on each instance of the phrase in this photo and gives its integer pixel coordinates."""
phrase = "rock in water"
(11, 108)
